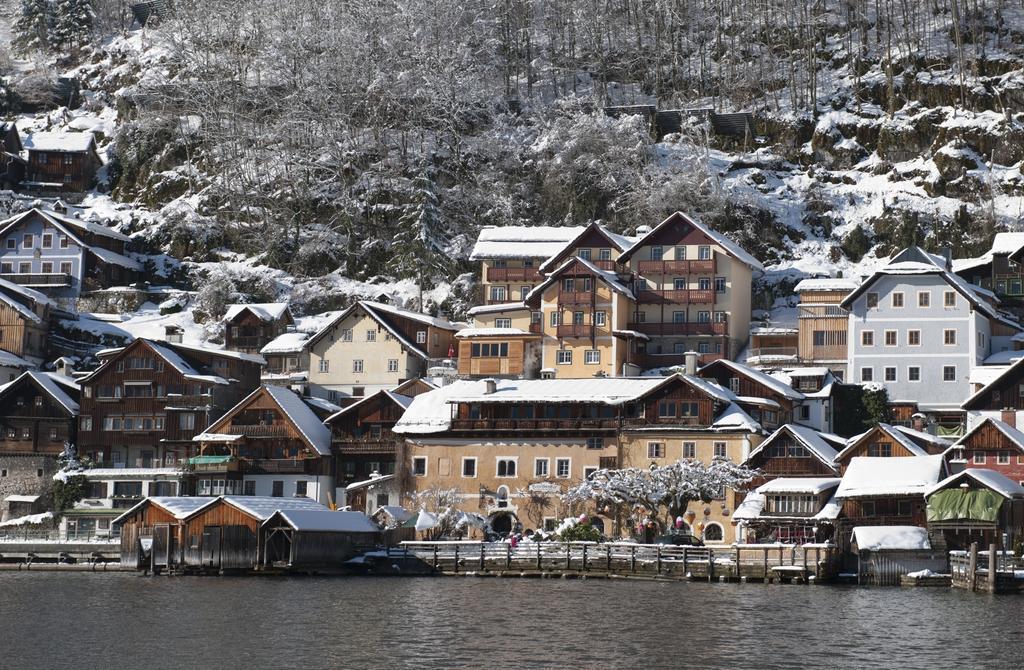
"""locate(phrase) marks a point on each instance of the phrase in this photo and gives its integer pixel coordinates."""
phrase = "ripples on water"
(126, 621)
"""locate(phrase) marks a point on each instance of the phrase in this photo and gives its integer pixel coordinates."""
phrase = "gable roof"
(890, 430)
(314, 433)
(30, 293)
(325, 521)
(178, 507)
(377, 312)
(990, 479)
(730, 247)
(607, 276)
(1014, 435)
(262, 507)
(521, 241)
(867, 476)
(620, 242)
(286, 343)
(66, 225)
(48, 384)
(167, 351)
(1016, 368)
(894, 538)
(1003, 244)
(497, 308)
(398, 399)
(808, 437)
(64, 142)
(763, 378)
(264, 311)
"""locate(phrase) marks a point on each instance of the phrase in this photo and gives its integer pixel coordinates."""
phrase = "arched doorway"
(501, 523)
(713, 532)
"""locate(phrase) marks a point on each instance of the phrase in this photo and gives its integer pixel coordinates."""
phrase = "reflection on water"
(128, 621)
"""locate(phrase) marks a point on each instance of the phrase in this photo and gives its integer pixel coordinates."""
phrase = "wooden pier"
(992, 571)
(808, 563)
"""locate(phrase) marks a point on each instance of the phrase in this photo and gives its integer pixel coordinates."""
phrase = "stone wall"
(20, 475)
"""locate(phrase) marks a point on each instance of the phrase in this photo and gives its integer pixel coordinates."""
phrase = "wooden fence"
(766, 562)
(994, 571)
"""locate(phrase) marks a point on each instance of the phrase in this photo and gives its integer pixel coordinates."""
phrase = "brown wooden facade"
(249, 332)
(1005, 392)
(822, 327)
(20, 334)
(32, 420)
(879, 442)
(69, 171)
(139, 399)
(986, 446)
(492, 356)
(783, 455)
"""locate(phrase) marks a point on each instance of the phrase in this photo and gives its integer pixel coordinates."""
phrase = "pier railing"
(738, 561)
(991, 570)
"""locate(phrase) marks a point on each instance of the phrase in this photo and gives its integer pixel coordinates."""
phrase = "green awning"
(964, 505)
(210, 460)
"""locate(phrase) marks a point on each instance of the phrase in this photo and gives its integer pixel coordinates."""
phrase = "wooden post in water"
(992, 569)
(508, 557)
(538, 556)
(609, 568)
(972, 567)
(764, 572)
(659, 559)
(686, 555)
(584, 558)
(456, 558)
(482, 555)
(435, 557)
(632, 557)
(568, 555)
(711, 565)
(737, 561)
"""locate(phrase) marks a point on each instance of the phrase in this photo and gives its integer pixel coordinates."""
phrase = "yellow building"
(512, 447)
(823, 323)
(510, 258)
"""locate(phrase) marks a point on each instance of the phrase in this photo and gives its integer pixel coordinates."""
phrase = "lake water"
(92, 621)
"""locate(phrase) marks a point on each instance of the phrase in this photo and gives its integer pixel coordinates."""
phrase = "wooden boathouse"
(305, 539)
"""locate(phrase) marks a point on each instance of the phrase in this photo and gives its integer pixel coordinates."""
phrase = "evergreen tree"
(421, 237)
(72, 24)
(32, 27)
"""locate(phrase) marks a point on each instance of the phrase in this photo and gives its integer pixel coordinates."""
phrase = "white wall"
(318, 487)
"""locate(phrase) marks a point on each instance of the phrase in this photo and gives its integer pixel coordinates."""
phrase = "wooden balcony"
(513, 275)
(648, 268)
(709, 328)
(773, 352)
(575, 297)
(278, 430)
(835, 352)
(678, 296)
(367, 446)
(648, 361)
(537, 328)
(309, 466)
(576, 330)
(606, 264)
(640, 422)
(246, 342)
(52, 279)
(535, 424)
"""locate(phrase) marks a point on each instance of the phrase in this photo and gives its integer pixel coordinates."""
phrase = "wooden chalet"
(62, 162)
(146, 401)
(287, 359)
(796, 451)
(315, 539)
(38, 414)
(791, 510)
(769, 401)
(1001, 396)
(976, 505)
(887, 441)
(270, 444)
(199, 534)
(992, 444)
(25, 316)
(249, 328)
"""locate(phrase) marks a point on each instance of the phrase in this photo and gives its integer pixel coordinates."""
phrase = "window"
(604, 254)
(25, 268)
(7, 268)
(1003, 458)
(867, 508)
(540, 467)
(704, 253)
(719, 284)
(713, 532)
(187, 421)
(904, 508)
(872, 300)
(392, 365)
(421, 337)
(949, 373)
(704, 283)
(346, 335)
(890, 338)
(65, 268)
(85, 423)
(489, 349)
(498, 293)
(47, 240)
(880, 450)
(897, 299)
(562, 467)
(890, 374)
(913, 374)
(949, 299)
(63, 241)
(300, 489)
(600, 318)
(524, 291)
(325, 365)
(12, 243)
(26, 242)
(867, 374)
(371, 335)
(589, 471)
(506, 467)
(667, 409)
(503, 323)
(595, 443)
(689, 450)
(655, 450)
(949, 336)
(563, 357)
(357, 365)
(469, 467)
(867, 338)
(805, 412)
(592, 357)
(657, 253)
(555, 318)
(924, 299)
(277, 488)
(419, 466)
(979, 458)
(721, 450)
(577, 318)
(585, 254)
(26, 433)
(249, 488)
(914, 338)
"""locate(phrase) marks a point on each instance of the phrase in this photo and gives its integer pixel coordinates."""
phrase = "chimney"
(490, 386)
(1009, 417)
(690, 358)
(919, 422)
(947, 254)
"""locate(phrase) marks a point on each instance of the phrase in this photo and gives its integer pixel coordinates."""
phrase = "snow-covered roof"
(730, 247)
(1003, 244)
(262, 507)
(522, 241)
(9, 360)
(28, 520)
(607, 276)
(305, 420)
(182, 366)
(813, 485)
(226, 353)
(69, 142)
(831, 510)
(21, 498)
(1010, 371)
(890, 430)
(264, 311)
(919, 436)
(990, 479)
(217, 437)
(18, 307)
(760, 377)
(320, 403)
(178, 506)
(399, 514)
(826, 284)
(999, 358)
(623, 332)
(53, 388)
(808, 437)
(114, 258)
(402, 400)
(911, 475)
(620, 242)
(486, 332)
(750, 508)
(773, 330)
(1014, 435)
(965, 264)
(372, 481)
(27, 292)
(497, 308)
(377, 312)
(326, 521)
(877, 538)
(286, 343)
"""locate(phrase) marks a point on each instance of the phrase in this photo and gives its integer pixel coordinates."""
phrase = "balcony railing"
(690, 328)
(662, 421)
(758, 352)
(537, 327)
(247, 341)
(274, 466)
(677, 267)
(576, 330)
(258, 430)
(27, 279)
(513, 274)
(648, 361)
(678, 296)
(606, 264)
(534, 424)
(367, 446)
(575, 297)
